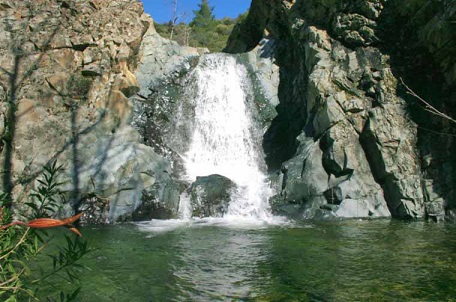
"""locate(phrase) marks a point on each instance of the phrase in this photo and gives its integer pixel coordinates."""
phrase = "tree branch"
(428, 107)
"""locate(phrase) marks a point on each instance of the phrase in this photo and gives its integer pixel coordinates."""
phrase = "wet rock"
(435, 210)
(360, 208)
(95, 210)
(160, 73)
(161, 201)
(334, 195)
(210, 195)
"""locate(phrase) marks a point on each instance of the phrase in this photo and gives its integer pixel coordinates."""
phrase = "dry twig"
(428, 107)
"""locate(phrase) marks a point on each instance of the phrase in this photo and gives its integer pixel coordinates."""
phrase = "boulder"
(210, 195)
(161, 201)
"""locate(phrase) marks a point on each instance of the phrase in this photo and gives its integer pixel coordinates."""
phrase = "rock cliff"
(66, 72)
(347, 140)
(91, 85)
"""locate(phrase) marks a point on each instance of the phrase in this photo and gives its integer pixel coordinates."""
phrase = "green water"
(351, 260)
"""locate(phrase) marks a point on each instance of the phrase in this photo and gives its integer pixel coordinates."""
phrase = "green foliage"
(21, 275)
(17, 246)
(45, 203)
(204, 17)
(181, 34)
(203, 31)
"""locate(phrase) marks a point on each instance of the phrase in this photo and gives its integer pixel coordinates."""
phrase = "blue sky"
(161, 10)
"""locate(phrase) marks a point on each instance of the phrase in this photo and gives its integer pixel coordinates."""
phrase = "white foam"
(224, 138)
(157, 226)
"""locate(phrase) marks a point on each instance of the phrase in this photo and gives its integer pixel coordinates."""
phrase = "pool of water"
(351, 260)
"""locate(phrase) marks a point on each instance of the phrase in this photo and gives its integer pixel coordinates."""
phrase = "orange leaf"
(75, 230)
(72, 219)
(11, 224)
(42, 223)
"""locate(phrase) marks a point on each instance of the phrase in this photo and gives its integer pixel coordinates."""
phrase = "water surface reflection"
(226, 265)
(332, 261)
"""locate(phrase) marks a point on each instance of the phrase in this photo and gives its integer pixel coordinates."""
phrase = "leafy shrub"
(21, 275)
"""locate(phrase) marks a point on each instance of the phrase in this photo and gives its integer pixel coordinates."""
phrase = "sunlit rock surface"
(72, 64)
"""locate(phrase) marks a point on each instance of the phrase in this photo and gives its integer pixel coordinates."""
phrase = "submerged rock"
(210, 195)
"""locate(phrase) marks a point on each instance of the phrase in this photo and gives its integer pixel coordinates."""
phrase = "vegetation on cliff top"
(202, 31)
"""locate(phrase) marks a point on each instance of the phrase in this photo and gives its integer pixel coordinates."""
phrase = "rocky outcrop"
(424, 56)
(92, 85)
(163, 65)
(169, 77)
(264, 74)
(426, 30)
(161, 201)
(67, 71)
(344, 142)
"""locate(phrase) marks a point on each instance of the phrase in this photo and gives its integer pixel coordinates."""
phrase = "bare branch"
(428, 107)
(174, 19)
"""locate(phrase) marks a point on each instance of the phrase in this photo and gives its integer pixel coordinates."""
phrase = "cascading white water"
(223, 137)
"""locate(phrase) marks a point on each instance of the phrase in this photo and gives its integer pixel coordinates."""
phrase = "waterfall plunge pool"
(249, 254)
(351, 260)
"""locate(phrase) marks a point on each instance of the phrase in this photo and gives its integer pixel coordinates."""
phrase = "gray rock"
(161, 72)
(95, 210)
(118, 169)
(161, 60)
(262, 62)
(354, 29)
(361, 208)
(72, 103)
(304, 175)
(435, 210)
(340, 118)
(161, 201)
(210, 195)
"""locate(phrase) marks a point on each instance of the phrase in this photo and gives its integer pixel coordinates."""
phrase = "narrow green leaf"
(32, 205)
(74, 294)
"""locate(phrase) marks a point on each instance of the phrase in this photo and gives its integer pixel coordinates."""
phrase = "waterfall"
(223, 138)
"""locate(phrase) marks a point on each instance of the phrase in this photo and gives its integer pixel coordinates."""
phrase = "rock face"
(161, 201)
(425, 58)
(210, 195)
(160, 72)
(92, 85)
(162, 79)
(345, 142)
(65, 78)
